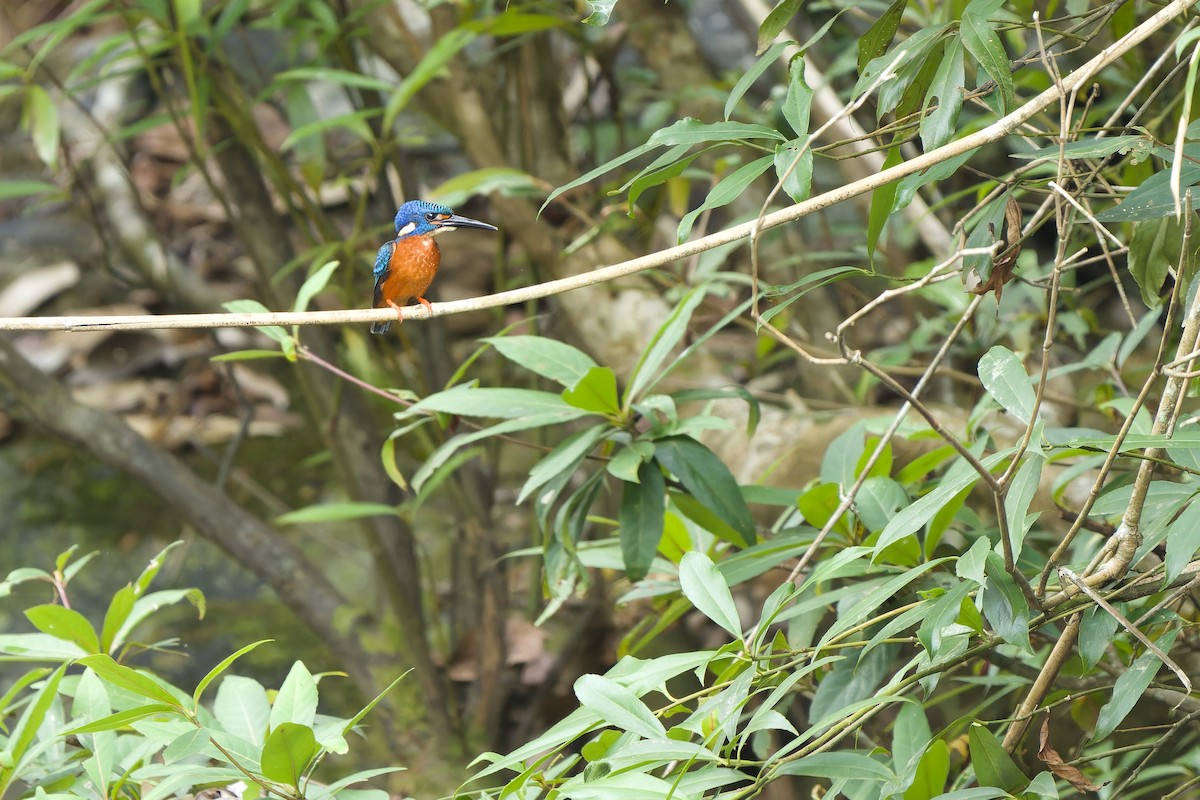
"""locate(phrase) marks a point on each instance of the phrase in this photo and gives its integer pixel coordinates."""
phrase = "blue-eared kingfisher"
(405, 266)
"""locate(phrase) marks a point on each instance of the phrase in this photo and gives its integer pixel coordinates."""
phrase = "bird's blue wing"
(382, 259)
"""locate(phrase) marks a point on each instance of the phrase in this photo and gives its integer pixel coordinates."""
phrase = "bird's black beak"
(455, 221)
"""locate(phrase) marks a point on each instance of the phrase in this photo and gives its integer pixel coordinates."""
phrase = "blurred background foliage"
(351, 497)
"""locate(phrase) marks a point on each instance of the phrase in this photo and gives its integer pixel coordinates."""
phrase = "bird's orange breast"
(413, 265)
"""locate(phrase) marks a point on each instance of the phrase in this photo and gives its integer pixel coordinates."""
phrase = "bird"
(406, 265)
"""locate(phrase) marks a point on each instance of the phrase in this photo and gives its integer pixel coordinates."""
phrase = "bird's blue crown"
(419, 214)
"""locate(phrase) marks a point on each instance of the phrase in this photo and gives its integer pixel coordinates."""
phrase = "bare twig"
(992, 133)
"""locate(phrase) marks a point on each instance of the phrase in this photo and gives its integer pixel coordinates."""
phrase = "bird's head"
(422, 218)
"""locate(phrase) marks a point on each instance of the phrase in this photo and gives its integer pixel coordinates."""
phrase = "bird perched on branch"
(405, 266)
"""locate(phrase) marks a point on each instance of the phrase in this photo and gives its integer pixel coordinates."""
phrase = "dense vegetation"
(835, 435)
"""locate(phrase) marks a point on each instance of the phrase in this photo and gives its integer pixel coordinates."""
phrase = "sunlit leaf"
(704, 585)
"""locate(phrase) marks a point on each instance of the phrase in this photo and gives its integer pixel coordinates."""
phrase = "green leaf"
(445, 50)
(729, 189)
(471, 401)
(219, 669)
(242, 708)
(119, 675)
(1153, 251)
(342, 77)
(938, 172)
(18, 742)
(838, 766)
(514, 23)
(1020, 496)
(286, 342)
(1004, 376)
(1004, 606)
(352, 122)
(983, 43)
(314, 284)
(66, 624)
(118, 611)
(882, 200)
(122, 719)
(618, 706)
(708, 480)
(628, 460)
(642, 518)
(912, 50)
(775, 22)
(607, 166)
(692, 131)
(10, 190)
(149, 603)
(797, 106)
(1095, 635)
(666, 338)
(764, 62)
(40, 118)
(993, 766)
(596, 392)
(938, 125)
(932, 772)
(309, 148)
(248, 355)
(655, 175)
(802, 287)
(1090, 147)
(704, 585)
(357, 718)
(849, 617)
(913, 518)
(288, 752)
(505, 181)
(564, 458)
(798, 180)
(447, 450)
(296, 700)
(911, 734)
(335, 512)
(878, 37)
(1153, 199)
(1183, 540)
(1131, 684)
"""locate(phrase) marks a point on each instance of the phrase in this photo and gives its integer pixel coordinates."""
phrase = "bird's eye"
(431, 216)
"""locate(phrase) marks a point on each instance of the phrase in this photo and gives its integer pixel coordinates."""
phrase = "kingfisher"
(405, 266)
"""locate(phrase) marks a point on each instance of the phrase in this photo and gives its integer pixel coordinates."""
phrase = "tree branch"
(992, 133)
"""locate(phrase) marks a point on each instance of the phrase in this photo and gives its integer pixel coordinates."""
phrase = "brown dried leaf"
(1059, 767)
(1003, 265)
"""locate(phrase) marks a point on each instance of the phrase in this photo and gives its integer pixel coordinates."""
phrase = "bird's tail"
(380, 327)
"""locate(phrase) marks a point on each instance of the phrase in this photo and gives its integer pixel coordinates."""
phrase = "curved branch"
(992, 133)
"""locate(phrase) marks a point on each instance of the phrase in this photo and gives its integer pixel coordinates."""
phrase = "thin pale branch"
(992, 133)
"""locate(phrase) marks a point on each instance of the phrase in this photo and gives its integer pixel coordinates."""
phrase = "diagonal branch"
(992, 133)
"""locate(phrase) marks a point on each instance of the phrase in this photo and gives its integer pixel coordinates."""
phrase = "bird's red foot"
(395, 308)
(428, 306)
